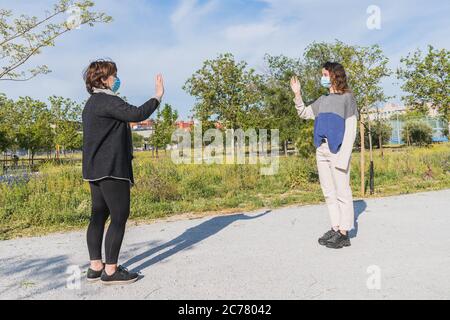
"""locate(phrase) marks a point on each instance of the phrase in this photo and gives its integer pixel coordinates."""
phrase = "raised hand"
(295, 85)
(159, 86)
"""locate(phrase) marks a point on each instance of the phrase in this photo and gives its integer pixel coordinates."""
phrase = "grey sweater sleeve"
(351, 122)
(309, 112)
(119, 109)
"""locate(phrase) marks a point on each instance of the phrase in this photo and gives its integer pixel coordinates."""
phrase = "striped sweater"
(336, 120)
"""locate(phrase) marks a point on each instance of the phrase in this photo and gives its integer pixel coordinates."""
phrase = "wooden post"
(371, 160)
(362, 159)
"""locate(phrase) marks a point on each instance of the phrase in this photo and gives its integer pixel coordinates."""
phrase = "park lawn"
(58, 200)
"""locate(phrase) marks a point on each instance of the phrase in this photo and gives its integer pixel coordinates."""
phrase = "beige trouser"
(336, 189)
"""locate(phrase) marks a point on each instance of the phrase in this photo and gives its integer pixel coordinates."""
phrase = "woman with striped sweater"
(335, 117)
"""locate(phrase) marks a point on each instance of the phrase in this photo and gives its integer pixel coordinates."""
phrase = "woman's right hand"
(159, 86)
(296, 86)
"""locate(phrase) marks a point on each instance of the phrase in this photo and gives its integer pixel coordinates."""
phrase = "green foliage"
(7, 117)
(379, 128)
(138, 140)
(32, 125)
(66, 119)
(305, 140)
(226, 91)
(164, 126)
(33, 128)
(23, 37)
(417, 132)
(279, 109)
(426, 80)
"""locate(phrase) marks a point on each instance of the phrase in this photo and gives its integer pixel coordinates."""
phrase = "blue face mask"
(325, 82)
(116, 85)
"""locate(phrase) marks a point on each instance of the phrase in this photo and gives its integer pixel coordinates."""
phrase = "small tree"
(381, 133)
(417, 132)
(163, 127)
(33, 128)
(66, 119)
(138, 140)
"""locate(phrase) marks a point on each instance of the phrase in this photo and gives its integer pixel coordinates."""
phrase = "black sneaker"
(338, 241)
(121, 276)
(326, 237)
(93, 275)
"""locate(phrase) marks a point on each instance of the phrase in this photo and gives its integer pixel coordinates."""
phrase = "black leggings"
(110, 197)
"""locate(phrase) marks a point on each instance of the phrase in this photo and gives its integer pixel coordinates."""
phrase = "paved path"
(258, 255)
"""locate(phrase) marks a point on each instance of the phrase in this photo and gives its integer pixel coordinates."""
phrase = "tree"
(138, 140)
(23, 37)
(381, 133)
(277, 98)
(7, 118)
(226, 91)
(365, 67)
(33, 128)
(66, 121)
(427, 80)
(164, 126)
(417, 132)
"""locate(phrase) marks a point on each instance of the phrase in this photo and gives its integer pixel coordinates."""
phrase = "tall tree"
(427, 80)
(277, 97)
(33, 129)
(66, 121)
(226, 91)
(23, 37)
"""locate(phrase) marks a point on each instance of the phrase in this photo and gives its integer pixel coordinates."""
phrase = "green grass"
(58, 200)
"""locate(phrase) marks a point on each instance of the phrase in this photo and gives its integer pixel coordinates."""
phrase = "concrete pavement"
(399, 251)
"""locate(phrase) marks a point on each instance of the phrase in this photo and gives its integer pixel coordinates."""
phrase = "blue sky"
(174, 37)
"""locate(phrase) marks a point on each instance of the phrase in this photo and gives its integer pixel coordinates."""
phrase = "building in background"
(391, 112)
(144, 128)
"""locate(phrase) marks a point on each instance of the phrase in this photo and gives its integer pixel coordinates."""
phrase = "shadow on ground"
(186, 240)
(30, 274)
(360, 207)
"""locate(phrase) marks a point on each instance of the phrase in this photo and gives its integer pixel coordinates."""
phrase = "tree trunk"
(285, 148)
(362, 159)
(371, 184)
(380, 142)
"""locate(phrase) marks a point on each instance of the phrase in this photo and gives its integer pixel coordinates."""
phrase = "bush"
(305, 140)
(382, 128)
(417, 132)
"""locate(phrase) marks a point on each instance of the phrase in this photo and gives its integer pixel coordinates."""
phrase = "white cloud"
(191, 10)
(154, 36)
(250, 32)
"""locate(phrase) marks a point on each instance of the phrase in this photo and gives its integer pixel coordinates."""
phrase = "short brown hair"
(338, 76)
(96, 72)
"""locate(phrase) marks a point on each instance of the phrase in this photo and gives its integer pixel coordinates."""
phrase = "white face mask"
(325, 82)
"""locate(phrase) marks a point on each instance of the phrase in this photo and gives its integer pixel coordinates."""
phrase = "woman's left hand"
(159, 87)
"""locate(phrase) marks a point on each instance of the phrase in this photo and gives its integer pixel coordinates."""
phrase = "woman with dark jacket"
(107, 166)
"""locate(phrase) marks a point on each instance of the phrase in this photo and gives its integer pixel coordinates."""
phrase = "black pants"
(110, 198)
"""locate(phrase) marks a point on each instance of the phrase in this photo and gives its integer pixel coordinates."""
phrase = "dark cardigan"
(107, 140)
